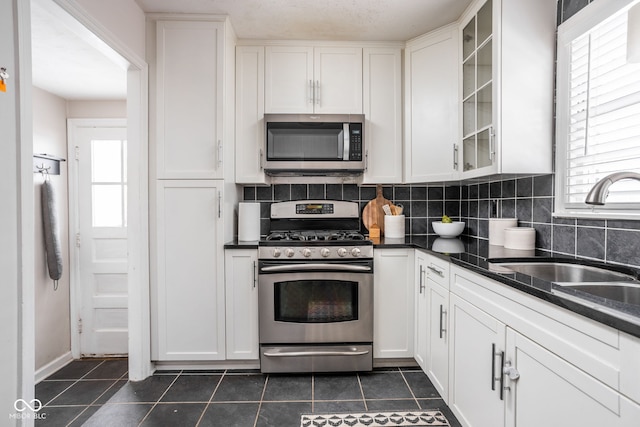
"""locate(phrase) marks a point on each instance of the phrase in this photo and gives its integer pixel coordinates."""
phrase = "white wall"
(52, 328)
(16, 229)
(96, 109)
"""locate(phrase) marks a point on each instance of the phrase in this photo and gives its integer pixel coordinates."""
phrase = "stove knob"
(289, 252)
(306, 252)
(325, 252)
(276, 252)
(355, 252)
(342, 252)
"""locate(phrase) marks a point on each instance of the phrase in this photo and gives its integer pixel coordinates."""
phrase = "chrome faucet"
(600, 190)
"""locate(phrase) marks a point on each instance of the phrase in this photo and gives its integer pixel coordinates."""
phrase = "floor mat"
(375, 419)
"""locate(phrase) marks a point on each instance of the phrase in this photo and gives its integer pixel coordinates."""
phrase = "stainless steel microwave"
(314, 144)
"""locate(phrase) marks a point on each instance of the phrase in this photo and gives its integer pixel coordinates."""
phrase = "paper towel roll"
(496, 229)
(248, 222)
(523, 238)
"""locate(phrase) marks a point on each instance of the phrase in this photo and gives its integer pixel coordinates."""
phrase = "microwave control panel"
(355, 141)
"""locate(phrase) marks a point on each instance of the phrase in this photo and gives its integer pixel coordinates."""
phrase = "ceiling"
(377, 20)
(68, 66)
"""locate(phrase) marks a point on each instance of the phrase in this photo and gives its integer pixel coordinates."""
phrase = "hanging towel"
(51, 232)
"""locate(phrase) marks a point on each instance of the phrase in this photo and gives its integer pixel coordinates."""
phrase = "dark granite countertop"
(478, 256)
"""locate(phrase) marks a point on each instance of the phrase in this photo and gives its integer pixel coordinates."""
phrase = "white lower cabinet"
(552, 391)
(431, 327)
(476, 338)
(516, 361)
(393, 303)
(438, 338)
(241, 288)
(188, 302)
(422, 310)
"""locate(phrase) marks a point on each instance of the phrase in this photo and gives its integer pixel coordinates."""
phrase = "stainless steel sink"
(626, 293)
(560, 272)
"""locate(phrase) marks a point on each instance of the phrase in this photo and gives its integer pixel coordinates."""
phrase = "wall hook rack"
(46, 163)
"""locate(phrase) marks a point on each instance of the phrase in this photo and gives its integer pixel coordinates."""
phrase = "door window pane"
(106, 161)
(107, 207)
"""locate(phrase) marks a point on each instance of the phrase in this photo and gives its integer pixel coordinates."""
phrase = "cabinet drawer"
(438, 271)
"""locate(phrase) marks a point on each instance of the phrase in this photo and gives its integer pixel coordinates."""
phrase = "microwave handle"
(347, 142)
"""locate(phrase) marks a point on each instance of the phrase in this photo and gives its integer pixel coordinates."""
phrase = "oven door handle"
(315, 353)
(303, 267)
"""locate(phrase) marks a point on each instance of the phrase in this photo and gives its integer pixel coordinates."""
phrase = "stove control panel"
(315, 252)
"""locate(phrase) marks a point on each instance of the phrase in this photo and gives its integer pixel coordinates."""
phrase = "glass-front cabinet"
(478, 149)
(507, 53)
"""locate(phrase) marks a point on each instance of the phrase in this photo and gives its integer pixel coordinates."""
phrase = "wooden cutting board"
(373, 213)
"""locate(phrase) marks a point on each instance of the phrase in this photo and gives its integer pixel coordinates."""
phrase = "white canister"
(394, 226)
(248, 222)
(523, 238)
(496, 229)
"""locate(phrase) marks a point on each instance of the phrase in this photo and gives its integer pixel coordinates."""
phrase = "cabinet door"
(438, 338)
(477, 343)
(393, 303)
(431, 115)
(250, 115)
(422, 311)
(289, 82)
(382, 97)
(242, 303)
(338, 80)
(552, 391)
(190, 99)
(189, 291)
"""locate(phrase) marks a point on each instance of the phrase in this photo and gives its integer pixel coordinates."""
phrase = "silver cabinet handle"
(421, 281)
(219, 204)
(442, 314)
(261, 160)
(311, 92)
(315, 353)
(219, 153)
(366, 160)
(255, 275)
(492, 144)
(435, 270)
(455, 156)
(317, 94)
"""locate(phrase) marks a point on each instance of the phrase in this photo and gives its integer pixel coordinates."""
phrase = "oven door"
(315, 302)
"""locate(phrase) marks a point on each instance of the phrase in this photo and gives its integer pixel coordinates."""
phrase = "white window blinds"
(604, 114)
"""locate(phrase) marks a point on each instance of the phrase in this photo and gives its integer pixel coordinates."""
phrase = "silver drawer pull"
(315, 353)
(435, 270)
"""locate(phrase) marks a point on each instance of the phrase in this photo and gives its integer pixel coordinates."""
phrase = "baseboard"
(52, 367)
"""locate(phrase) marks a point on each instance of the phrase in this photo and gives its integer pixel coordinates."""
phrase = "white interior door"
(98, 183)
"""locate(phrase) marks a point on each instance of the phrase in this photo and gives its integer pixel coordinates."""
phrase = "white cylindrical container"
(523, 238)
(248, 222)
(496, 229)
(394, 226)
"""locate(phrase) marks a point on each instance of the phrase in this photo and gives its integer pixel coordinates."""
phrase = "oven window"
(316, 301)
(287, 141)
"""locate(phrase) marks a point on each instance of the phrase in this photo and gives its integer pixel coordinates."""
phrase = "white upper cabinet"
(300, 79)
(431, 106)
(382, 98)
(190, 56)
(507, 63)
(250, 115)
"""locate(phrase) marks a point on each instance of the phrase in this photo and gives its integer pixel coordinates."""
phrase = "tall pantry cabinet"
(191, 134)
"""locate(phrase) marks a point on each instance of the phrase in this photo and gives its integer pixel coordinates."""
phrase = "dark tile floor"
(96, 393)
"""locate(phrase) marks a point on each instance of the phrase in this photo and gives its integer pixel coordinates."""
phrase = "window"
(598, 110)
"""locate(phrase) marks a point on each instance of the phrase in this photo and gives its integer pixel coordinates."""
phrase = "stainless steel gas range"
(315, 289)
